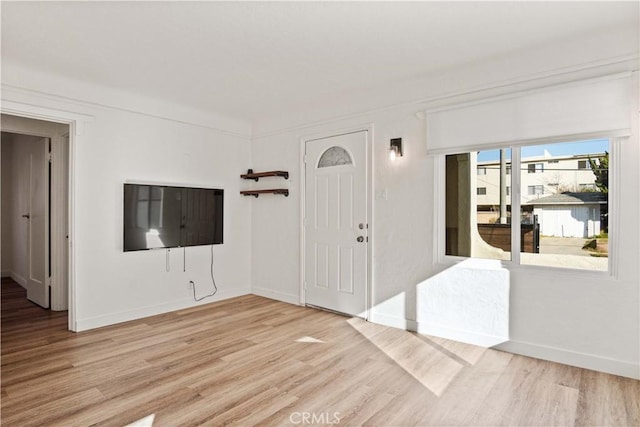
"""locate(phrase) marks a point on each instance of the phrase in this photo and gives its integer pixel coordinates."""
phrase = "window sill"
(568, 273)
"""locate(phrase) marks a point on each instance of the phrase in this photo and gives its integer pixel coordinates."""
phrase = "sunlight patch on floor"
(309, 340)
(431, 367)
(468, 353)
(143, 422)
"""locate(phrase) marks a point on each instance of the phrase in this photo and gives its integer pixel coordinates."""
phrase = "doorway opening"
(35, 209)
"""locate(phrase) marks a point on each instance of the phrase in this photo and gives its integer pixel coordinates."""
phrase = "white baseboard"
(468, 337)
(279, 296)
(392, 321)
(435, 330)
(18, 279)
(125, 316)
(581, 360)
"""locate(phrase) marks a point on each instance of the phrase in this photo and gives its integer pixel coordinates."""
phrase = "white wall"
(573, 318)
(139, 148)
(115, 145)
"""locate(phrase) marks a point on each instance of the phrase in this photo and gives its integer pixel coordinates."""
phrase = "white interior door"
(38, 221)
(336, 223)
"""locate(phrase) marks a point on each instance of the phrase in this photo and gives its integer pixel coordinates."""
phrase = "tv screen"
(161, 216)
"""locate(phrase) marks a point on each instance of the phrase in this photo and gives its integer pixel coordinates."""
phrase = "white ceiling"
(254, 60)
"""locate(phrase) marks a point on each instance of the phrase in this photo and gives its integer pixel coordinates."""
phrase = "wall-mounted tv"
(162, 216)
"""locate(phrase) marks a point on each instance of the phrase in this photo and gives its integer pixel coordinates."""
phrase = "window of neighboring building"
(535, 167)
(583, 164)
(587, 187)
(553, 226)
(535, 190)
(482, 171)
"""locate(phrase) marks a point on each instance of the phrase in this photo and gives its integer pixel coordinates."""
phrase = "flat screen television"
(162, 216)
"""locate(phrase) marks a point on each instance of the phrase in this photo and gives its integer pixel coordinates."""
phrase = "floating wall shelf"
(257, 175)
(256, 193)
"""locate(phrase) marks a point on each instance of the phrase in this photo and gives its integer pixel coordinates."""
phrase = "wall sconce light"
(395, 148)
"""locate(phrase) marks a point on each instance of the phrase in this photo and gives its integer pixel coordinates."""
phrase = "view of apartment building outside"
(563, 204)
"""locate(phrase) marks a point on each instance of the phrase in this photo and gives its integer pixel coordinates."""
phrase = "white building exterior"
(560, 190)
(570, 214)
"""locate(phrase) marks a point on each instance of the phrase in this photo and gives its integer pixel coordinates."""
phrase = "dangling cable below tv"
(162, 216)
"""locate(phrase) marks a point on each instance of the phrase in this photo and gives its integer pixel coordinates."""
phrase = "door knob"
(25, 216)
(360, 239)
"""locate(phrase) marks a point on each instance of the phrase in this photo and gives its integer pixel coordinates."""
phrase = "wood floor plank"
(402, 410)
(123, 409)
(36, 413)
(606, 400)
(528, 391)
(254, 361)
(23, 372)
(466, 395)
(71, 380)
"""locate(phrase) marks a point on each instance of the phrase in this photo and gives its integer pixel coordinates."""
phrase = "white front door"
(336, 226)
(37, 216)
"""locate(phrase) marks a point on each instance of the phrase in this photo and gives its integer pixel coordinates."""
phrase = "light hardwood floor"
(254, 361)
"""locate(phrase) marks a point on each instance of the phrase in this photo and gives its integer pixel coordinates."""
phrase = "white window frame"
(439, 255)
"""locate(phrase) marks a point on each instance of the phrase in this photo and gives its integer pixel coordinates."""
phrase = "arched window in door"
(335, 156)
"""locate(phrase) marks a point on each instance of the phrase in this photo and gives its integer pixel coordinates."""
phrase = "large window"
(557, 217)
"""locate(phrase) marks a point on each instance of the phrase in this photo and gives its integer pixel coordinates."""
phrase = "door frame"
(368, 128)
(76, 122)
